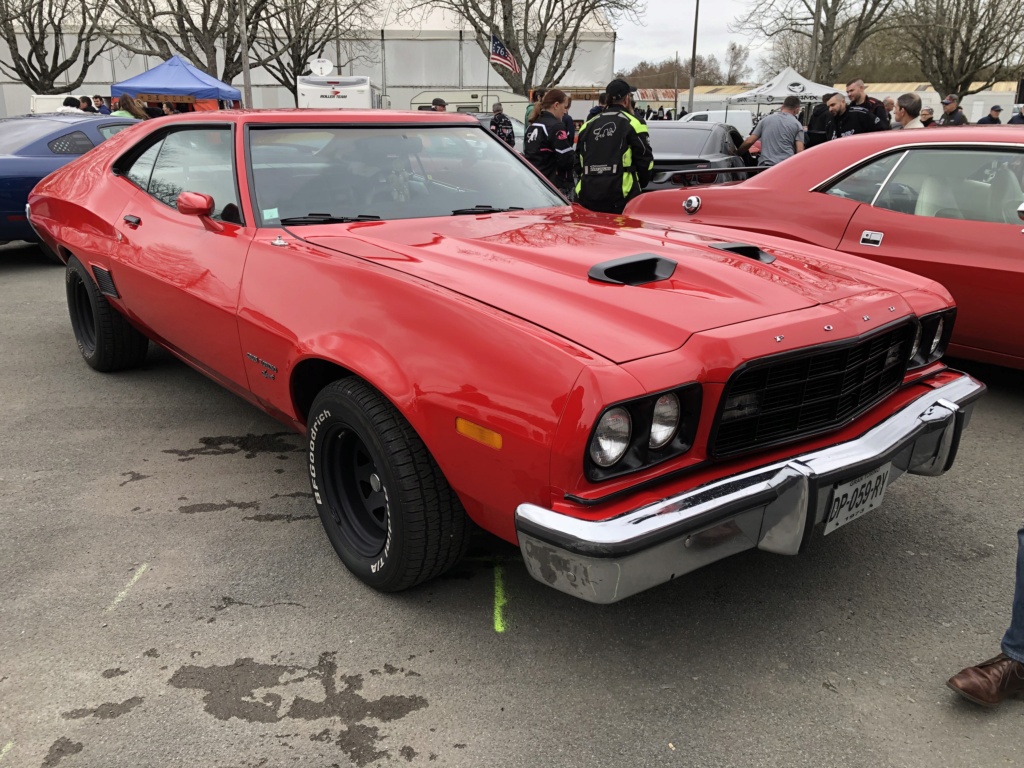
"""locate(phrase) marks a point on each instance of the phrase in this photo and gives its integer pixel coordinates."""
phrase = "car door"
(950, 214)
(178, 275)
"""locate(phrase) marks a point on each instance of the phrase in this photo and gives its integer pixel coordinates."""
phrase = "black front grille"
(796, 395)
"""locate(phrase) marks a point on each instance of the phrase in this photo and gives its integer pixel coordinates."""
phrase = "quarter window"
(74, 143)
(863, 184)
(968, 184)
(140, 170)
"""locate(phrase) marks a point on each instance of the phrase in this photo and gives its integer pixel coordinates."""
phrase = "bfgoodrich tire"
(106, 340)
(387, 509)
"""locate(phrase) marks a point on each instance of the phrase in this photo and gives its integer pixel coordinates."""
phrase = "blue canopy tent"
(176, 77)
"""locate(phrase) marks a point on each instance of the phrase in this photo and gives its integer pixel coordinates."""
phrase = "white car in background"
(740, 119)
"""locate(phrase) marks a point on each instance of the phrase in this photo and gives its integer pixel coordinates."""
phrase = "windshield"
(18, 132)
(678, 143)
(400, 172)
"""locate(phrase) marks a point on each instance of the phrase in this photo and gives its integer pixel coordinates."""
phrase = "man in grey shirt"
(780, 134)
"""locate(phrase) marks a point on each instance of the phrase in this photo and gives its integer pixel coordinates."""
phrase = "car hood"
(534, 265)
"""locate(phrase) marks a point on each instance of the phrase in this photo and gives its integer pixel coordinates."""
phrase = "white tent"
(788, 82)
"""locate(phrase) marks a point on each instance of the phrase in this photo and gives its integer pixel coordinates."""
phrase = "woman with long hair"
(127, 106)
(548, 144)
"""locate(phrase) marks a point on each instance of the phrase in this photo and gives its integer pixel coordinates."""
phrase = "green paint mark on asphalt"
(499, 600)
(6, 748)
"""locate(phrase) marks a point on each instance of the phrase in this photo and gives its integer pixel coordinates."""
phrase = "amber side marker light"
(488, 437)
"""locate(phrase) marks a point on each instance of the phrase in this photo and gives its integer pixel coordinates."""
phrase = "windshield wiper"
(483, 209)
(327, 218)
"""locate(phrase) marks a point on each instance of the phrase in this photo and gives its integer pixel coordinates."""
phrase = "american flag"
(500, 55)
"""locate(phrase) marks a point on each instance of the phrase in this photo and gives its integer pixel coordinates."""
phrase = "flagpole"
(490, 50)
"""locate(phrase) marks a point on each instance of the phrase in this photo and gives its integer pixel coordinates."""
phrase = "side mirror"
(201, 205)
(1020, 213)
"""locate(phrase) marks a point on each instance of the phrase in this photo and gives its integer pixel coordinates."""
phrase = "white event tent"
(788, 82)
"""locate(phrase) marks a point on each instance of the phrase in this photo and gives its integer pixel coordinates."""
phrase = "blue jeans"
(1013, 640)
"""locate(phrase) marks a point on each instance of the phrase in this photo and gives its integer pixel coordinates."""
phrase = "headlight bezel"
(639, 455)
(936, 331)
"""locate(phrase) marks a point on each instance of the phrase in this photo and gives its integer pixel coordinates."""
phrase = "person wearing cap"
(992, 118)
(439, 105)
(501, 126)
(615, 157)
(928, 117)
(951, 112)
(1017, 119)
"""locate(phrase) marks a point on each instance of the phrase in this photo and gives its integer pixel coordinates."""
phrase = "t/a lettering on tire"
(385, 505)
(107, 341)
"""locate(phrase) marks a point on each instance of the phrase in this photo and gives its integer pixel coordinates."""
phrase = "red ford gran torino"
(627, 403)
(944, 204)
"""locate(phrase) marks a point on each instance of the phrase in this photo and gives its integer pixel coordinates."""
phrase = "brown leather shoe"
(990, 682)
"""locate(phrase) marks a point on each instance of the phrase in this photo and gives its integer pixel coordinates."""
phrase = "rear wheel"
(385, 505)
(105, 338)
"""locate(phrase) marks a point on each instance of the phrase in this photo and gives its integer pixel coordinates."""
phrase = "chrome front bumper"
(771, 508)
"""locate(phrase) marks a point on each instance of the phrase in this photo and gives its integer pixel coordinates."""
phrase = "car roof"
(339, 116)
(838, 155)
(681, 125)
(69, 118)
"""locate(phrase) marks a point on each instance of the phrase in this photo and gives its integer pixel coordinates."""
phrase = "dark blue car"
(32, 147)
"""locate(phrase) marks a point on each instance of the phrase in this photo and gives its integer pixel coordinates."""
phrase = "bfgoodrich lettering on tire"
(387, 509)
(106, 340)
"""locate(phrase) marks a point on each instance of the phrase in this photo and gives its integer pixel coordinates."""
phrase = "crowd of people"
(118, 106)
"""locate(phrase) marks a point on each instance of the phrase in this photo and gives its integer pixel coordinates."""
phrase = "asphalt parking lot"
(168, 598)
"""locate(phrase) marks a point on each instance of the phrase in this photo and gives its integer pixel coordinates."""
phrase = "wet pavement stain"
(271, 518)
(231, 691)
(61, 748)
(227, 602)
(193, 509)
(132, 477)
(408, 753)
(115, 672)
(252, 445)
(152, 653)
(107, 711)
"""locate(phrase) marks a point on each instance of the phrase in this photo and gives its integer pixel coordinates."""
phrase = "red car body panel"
(980, 262)
(490, 318)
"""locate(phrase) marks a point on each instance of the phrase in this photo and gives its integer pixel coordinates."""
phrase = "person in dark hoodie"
(598, 108)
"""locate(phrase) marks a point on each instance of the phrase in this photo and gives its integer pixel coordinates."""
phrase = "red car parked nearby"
(627, 403)
(944, 204)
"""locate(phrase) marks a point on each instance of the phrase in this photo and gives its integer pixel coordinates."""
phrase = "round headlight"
(916, 347)
(611, 438)
(665, 421)
(936, 338)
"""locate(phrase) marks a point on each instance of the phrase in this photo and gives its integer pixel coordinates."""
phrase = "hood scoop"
(639, 269)
(742, 249)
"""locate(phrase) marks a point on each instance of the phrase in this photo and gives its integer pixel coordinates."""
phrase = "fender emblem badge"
(779, 338)
(866, 318)
(828, 327)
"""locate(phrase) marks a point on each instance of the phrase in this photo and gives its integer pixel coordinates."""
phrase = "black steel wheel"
(384, 503)
(107, 341)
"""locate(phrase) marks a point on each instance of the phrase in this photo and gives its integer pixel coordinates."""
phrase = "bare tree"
(960, 42)
(300, 30)
(736, 68)
(844, 26)
(37, 34)
(542, 35)
(195, 29)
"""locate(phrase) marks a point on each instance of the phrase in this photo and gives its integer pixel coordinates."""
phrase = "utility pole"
(814, 41)
(693, 58)
(243, 35)
(675, 100)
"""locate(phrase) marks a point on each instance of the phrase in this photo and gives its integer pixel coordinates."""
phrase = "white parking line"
(128, 586)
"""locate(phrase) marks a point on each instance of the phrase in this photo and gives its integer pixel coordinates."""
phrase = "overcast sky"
(668, 27)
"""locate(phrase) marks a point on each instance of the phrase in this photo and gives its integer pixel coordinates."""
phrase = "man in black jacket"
(501, 126)
(992, 118)
(865, 114)
(819, 125)
(951, 112)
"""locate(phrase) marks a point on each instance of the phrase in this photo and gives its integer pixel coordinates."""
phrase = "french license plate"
(856, 497)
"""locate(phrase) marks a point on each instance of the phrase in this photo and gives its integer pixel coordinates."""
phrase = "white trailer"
(334, 92)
